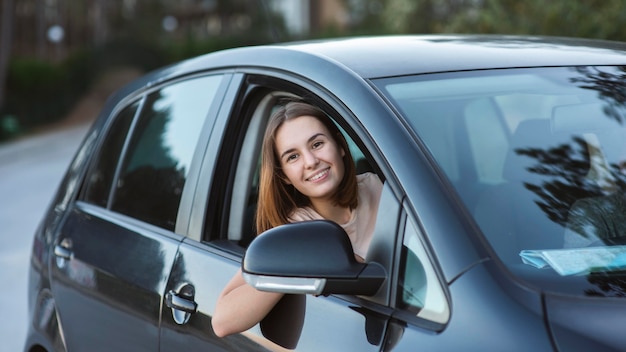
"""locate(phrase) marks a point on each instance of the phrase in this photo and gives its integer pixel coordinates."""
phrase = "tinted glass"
(160, 151)
(100, 177)
(537, 156)
(419, 289)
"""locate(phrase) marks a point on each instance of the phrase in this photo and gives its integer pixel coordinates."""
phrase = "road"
(30, 171)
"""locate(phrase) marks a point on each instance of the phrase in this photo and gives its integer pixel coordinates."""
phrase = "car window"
(419, 290)
(160, 149)
(241, 227)
(100, 178)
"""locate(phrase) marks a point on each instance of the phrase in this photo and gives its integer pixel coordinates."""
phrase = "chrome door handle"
(182, 303)
(63, 250)
(175, 301)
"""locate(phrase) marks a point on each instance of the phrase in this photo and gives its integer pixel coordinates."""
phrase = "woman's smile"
(319, 176)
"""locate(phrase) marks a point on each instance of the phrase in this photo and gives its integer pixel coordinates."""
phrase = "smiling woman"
(307, 173)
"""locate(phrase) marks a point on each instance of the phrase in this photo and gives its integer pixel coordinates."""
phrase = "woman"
(307, 173)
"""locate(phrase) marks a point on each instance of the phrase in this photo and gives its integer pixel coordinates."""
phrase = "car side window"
(241, 228)
(160, 149)
(419, 289)
(100, 178)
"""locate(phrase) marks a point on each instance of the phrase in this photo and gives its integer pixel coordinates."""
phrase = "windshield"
(538, 157)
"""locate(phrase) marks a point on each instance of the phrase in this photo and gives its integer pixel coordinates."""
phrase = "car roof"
(385, 56)
(388, 56)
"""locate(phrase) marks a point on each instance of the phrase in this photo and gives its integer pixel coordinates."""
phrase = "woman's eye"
(318, 144)
(292, 157)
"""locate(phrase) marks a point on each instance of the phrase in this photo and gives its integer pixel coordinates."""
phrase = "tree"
(6, 42)
(599, 19)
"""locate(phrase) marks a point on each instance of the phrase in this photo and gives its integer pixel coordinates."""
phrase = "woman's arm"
(241, 306)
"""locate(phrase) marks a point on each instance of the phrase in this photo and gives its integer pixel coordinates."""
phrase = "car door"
(116, 246)
(221, 226)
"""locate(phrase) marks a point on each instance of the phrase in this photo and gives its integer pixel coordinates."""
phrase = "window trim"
(124, 151)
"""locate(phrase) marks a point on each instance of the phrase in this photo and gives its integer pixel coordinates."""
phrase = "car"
(500, 225)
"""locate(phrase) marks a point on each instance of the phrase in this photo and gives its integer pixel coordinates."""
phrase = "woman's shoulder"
(369, 179)
(304, 214)
(370, 186)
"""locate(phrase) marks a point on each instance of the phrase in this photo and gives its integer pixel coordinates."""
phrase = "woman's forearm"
(241, 306)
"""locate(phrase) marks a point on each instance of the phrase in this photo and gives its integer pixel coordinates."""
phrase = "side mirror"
(312, 257)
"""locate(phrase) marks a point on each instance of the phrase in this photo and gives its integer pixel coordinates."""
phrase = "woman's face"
(310, 158)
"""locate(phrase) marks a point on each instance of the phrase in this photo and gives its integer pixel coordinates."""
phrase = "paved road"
(30, 170)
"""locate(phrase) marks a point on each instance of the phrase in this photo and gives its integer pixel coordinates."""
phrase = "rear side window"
(160, 150)
(100, 178)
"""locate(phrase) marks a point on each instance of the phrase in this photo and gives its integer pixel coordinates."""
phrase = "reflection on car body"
(488, 147)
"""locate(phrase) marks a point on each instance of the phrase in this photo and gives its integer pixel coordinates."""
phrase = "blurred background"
(59, 59)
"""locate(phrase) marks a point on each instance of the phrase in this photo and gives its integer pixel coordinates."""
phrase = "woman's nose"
(310, 160)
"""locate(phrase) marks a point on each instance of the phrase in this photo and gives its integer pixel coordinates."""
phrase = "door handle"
(182, 303)
(175, 301)
(63, 252)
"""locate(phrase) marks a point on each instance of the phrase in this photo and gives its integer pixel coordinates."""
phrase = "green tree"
(599, 19)
(6, 42)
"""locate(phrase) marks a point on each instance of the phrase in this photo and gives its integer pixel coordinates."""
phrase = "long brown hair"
(277, 199)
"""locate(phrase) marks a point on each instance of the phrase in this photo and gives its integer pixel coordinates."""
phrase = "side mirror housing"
(312, 257)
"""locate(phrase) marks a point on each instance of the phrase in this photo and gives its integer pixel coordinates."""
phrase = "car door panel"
(329, 323)
(208, 272)
(108, 278)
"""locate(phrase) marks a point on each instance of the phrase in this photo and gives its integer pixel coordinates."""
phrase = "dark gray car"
(501, 225)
